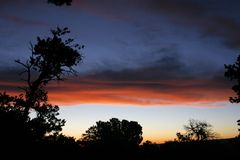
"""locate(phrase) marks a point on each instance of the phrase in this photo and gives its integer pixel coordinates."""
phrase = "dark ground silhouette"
(113, 139)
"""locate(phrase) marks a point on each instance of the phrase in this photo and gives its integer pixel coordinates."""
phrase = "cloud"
(211, 18)
(21, 20)
(166, 67)
(226, 28)
(21, 2)
(163, 80)
(169, 92)
(14, 11)
(10, 79)
(162, 85)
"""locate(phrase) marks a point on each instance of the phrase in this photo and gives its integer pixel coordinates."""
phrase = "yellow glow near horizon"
(159, 124)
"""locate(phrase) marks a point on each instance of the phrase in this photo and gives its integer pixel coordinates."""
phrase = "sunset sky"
(157, 62)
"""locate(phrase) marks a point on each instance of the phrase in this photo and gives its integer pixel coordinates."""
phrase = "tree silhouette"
(12, 124)
(232, 72)
(196, 131)
(238, 122)
(60, 2)
(51, 59)
(113, 134)
(46, 121)
(12, 120)
(62, 143)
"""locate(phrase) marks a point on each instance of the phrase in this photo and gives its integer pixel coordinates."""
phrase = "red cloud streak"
(176, 92)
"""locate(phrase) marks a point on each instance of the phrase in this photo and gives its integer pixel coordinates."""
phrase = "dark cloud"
(163, 73)
(143, 86)
(10, 80)
(10, 74)
(203, 15)
(168, 75)
(20, 2)
(156, 72)
(21, 20)
(169, 82)
(226, 28)
(213, 18)
(167, 67)
(188, 8)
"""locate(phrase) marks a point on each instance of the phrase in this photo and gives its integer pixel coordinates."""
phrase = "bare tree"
(197, 131)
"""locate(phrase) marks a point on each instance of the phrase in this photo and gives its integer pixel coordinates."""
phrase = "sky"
(157, 62)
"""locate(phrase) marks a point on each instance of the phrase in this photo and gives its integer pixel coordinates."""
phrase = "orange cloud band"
(179, 92)
(169, 92)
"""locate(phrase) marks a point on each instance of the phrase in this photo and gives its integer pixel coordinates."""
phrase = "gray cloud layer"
(213, 18)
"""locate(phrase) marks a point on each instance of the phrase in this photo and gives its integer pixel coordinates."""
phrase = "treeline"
(113, 139)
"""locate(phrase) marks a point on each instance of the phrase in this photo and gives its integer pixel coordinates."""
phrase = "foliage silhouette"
(113, 134)
(51, 59)
(232, 72)
(12, 123)
(60, 2)
(183, 137)
(46, 121)
(196, 131)
(62, 143)
(238, 122)
(33, 129)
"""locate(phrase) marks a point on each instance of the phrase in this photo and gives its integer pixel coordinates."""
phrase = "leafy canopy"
(114, 133)
(60, 2)
(232, 72)
(51, 59)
